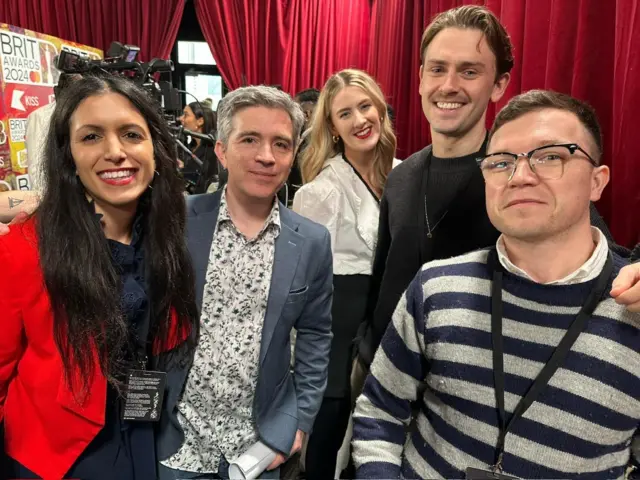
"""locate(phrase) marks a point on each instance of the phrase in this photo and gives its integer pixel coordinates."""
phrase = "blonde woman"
(344, 169)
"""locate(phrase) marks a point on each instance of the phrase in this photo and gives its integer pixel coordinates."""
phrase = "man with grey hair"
(261, 270)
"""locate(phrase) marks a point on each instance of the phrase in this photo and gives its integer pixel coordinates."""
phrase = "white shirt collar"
(588, 271)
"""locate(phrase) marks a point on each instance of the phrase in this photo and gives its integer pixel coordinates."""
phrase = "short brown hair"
(535, 100)
(478, 18)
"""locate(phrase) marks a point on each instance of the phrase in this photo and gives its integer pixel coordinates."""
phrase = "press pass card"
(144, 395)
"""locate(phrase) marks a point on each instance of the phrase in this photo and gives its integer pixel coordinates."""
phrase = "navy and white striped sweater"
(438, 351)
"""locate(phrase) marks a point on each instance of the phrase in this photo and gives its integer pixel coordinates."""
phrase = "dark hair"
(478, 18)
(82, 283)
(64, 80)
(209, 116)
(308, 95)
(535, 100)
(391, 113)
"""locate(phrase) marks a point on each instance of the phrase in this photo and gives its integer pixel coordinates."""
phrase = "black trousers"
(348, 310)
(326, 438)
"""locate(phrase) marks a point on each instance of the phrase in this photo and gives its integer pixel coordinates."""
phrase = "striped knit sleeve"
(383, 411)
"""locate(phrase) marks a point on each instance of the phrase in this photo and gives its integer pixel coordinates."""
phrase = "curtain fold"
(246, 39)
(150, 24)
(625, 100)
(586, 48)
(296, 44)
(394, 61)
(323, 38)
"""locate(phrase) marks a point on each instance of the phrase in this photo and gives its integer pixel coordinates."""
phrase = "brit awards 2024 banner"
(27, 78)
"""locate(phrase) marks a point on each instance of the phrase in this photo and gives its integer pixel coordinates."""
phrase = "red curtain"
(246, 37)
(582, 47)
(293, 43)
(150, 24)
(323, 38)
(623, 135)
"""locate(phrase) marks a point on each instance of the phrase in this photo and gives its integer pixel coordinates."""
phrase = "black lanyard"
(373, 194)
(554, 362)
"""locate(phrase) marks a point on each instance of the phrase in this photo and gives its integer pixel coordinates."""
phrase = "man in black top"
(433, 204)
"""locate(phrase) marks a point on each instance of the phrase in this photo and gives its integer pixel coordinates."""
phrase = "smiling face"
(458, 80)
(356, 120)
(259, 152)
(530, 208)
(112, 149)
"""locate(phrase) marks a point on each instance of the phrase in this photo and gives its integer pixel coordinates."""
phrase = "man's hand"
(19, 218)
(626, 287)
(297, 445)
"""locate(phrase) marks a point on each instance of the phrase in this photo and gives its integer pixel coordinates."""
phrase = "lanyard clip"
(497, 468)
(142, 362)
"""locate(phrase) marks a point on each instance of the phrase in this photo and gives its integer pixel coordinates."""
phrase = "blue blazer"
(299, 297)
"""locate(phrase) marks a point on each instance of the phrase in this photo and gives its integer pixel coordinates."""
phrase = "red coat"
(46, 430)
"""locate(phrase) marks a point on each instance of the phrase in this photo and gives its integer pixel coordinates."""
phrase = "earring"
(335, 138)
(155, 174)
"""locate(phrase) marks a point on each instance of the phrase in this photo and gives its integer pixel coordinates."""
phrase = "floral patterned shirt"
(216, 409)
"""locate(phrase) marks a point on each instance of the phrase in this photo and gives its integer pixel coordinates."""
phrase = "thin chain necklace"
(426, 217)
(426, 213)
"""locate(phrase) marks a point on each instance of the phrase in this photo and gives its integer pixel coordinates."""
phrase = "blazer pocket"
(297, 295)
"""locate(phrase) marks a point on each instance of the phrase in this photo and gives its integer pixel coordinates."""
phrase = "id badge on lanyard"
(144, 393)
(143, 396)
(543, 378)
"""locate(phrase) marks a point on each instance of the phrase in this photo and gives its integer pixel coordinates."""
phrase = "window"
(195, 53)
(196, 70)
(204, 86)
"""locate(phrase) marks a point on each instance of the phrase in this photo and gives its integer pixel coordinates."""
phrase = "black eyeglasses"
(547, 162)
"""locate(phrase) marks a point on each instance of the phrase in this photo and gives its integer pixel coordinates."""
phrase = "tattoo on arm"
(14, 202)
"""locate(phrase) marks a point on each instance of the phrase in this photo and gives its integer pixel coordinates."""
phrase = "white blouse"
(338, 199)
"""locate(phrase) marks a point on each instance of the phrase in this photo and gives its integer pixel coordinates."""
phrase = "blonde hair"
(322, 147)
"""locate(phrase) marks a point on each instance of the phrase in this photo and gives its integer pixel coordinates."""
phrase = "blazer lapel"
(287, 254)
(201, 223)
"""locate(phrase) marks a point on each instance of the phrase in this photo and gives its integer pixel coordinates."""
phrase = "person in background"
(261, 271)
(38, 128)
(307, 99)
(433, 204)
(209, 179)
(21, 203)
(391, 113)
(200, 119)
(520, 361)
(344, 168)
(105, 290)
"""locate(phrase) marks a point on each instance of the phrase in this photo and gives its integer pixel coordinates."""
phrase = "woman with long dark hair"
(96, 292)
(200, 119)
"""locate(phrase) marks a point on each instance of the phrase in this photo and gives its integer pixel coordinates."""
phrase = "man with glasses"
(433, 203)
(519, 359)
